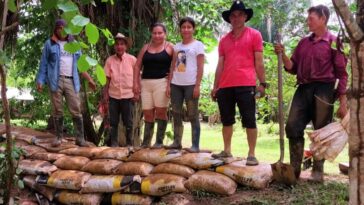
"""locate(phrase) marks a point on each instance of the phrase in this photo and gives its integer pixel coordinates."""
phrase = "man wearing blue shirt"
(58, 69)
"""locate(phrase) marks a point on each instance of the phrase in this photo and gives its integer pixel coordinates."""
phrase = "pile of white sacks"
(102, 175)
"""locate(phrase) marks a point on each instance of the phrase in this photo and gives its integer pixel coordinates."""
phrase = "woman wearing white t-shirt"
(184, 83)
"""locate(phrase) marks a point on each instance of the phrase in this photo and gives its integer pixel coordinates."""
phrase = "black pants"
(311, 102)
(123, 107)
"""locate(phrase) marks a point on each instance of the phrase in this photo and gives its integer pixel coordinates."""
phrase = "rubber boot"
(148, 134)
(80, 138)
(161, 130)
(296, 147)
(58, 125)
(129, 137)
(178, 133)
(317, 174)
(195, 138)
(114, 138)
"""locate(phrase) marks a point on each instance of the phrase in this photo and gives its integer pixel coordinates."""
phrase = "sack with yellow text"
(162, 184)
(64, 179)
(212, 182)
(257, 177)
(109, 183)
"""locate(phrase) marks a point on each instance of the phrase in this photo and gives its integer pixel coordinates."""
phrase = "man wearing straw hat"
(118, 90)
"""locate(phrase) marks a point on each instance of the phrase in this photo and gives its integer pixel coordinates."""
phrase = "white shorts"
(154, 93)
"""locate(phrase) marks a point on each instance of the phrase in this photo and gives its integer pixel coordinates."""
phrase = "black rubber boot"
(58, 125)
(296, 154)
(161, 130)
(80, 137)
(113, 137)
(195, 136)
(178, 133)
(317, 174)
(148, 134)
(129, 137)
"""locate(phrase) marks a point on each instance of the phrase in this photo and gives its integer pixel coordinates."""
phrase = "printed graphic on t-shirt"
(181, 61)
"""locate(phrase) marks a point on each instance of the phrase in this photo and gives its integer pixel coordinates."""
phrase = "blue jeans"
(180, 94)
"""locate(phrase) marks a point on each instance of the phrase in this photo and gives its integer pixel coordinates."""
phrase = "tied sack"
(118, 153)
(252, 176)
(198, 160)
(35, 167)
(101, 166)
(170, 168)
(329, 141)
(71, 162)
(73, 198)
(162, 184)
(109, 183)
(211, 182)
(45, 191)
(64, 179)
(127, 199)
(134, 168)
(155, 156)
(89, 152)
(47, 156)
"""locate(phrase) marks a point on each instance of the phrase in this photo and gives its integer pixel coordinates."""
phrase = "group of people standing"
(163, 73)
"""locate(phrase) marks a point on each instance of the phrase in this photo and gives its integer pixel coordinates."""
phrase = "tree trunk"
(356, 98)
(9, 141)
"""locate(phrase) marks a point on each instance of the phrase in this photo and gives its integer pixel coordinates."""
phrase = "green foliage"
(92, 33)
(15, 155)
(4, 59)
(72, 47)
(101, 77)
(206, 106)
(12, 5)
(80, 21)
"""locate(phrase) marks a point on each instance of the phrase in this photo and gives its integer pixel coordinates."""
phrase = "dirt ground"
(304, 192)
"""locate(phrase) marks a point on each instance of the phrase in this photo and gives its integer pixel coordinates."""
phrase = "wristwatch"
(264, 84)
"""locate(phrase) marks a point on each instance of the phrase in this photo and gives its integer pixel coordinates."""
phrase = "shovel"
(282, 173)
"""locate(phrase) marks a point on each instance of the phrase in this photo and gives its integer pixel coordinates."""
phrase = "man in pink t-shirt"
(119, 89)
(240, 63)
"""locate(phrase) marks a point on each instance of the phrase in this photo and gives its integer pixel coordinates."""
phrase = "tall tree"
(355, 28)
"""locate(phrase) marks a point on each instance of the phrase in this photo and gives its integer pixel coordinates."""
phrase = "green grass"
(267, 149)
